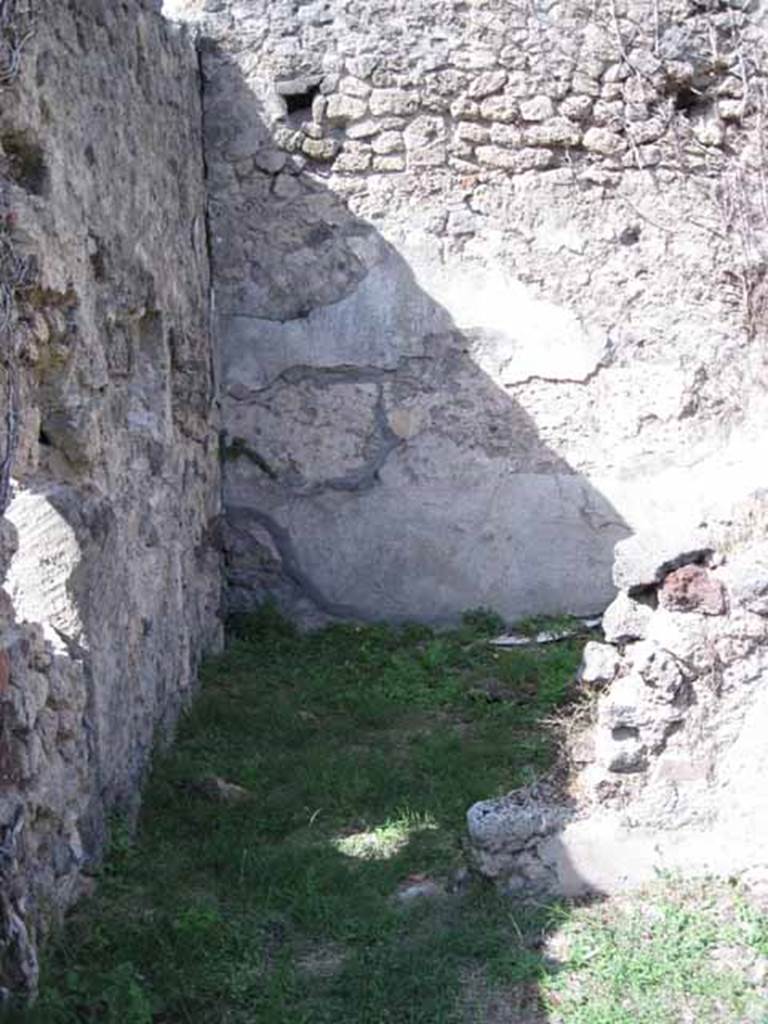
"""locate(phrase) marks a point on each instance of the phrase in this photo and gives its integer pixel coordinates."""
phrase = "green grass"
(361, 749)
(675, 953)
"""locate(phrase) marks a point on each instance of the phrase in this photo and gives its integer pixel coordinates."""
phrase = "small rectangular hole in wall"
(25, 162)
(299, 95)
(301, 102)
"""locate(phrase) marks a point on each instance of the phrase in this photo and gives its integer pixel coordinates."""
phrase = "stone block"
(465, 108)
(354, 158)
(471, 131)
(660, 671)
(626, 620)
(533, 159)
(576, 108)
(745, 575)
(498, 108)
(538, 108)
(495, 156)
(364, 130)
(271, 161)
(341, 108)
(320, 149)
(558, 131)
(692, 588)
(506, 135)
(389, 163)
(604, 142)
(486, 84)
(644, 559)
(425, 141)
(352, 86)
(599, 664)
(388, 142)
(400, 102)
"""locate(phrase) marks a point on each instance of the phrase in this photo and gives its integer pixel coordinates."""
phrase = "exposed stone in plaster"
(536, 218)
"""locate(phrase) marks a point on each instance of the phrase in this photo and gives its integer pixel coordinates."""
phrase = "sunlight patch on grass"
(385, 841)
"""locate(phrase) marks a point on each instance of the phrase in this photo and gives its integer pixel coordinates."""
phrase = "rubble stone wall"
(667, 772)
(108, 447)
(490, 282)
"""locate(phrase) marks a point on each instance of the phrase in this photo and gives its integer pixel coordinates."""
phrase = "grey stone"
(557, 131)
(502, 829)
(495, 156)
(645, 559)
(506, 135)
(626, 619)
(388, 142)
(352, 86)
(599, 664)
(496, 108)
(538, 108)
(745, 576)
(354, 157)
(625, 705)
(576, 108)
(320, 149)
(393, 101)
(465, 108)
(425, 142)
(604, 141)
(658, 669)
(390, 163)
(342, 108)
(471, 131)
(486, 84)
(270, 160)
(364, 130)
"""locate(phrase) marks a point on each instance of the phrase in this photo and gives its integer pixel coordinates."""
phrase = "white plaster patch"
(178, 8)
(514, 334)
(38, 577)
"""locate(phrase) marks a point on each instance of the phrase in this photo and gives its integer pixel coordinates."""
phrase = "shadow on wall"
(373, 468)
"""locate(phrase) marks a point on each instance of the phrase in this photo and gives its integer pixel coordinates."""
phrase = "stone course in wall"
(489, 279)
(108, 437)
(665, 768)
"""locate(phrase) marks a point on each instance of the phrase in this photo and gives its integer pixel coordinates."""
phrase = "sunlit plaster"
(38, 578)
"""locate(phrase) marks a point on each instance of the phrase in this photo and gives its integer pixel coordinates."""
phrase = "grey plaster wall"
(109, 477)
(489, 289)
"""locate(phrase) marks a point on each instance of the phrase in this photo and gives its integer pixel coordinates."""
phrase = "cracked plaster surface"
(517, 229)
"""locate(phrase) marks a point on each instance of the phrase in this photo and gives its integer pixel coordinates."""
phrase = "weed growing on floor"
(675, 953)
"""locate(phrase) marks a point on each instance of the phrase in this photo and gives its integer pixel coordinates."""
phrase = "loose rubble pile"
(670, 771)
